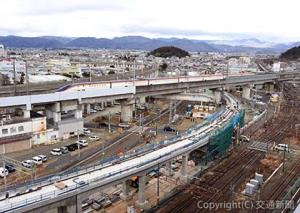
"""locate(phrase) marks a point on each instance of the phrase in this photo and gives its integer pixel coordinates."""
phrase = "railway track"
(278, 189)
(215, 189)
(280, 186)
(288, 179)
(97, 154)
(239, 168)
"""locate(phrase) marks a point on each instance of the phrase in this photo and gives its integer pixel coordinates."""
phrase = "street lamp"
(78, 145)
(3, 160)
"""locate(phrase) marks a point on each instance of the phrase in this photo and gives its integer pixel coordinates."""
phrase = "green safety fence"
(242, 118)
(221, 138)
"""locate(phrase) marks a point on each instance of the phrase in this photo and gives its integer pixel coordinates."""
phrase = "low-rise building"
(19, 133)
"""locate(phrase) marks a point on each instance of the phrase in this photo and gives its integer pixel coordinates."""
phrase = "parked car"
(27, 163)
(169, 129)
(174, 166)
(99, 200)
(86, 131)
(282, 147)
(140, 107)
(37, 160)
(124, 125)
(10, 168)
(3, 172)
(82, 143)
(72, 147)
(244, 138)
(44, 157)
(79, 182)
(55, 152)
(103, 124)
(98, 108)
(152, 174)
(64, 150)
(94, 138)
(106, 203)
(93, 111)
(96, 206)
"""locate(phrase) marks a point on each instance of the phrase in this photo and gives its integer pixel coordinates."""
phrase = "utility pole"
(280, 99)
(170, 114)
(141, 124)
(227, 68)
(27, 77)
(90, 73)
(5, 182)
(283, 159)
(15, 83)
(78, 146)
(134, 72)
(175, 104)
(109, 122)
(297, 127)
(135, 109)
(157, 192)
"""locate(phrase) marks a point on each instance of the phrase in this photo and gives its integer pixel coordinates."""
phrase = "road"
(109, 145)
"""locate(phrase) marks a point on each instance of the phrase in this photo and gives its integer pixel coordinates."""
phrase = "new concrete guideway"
(74, 188)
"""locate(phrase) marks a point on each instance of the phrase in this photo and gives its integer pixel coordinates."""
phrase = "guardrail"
(196, 138)
(55, 193)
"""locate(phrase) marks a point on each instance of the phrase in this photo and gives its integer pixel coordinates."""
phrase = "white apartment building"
(22, 133)
(2, 51)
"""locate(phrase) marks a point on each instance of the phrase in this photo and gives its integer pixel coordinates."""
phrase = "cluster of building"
(51, 122)
(65, 64)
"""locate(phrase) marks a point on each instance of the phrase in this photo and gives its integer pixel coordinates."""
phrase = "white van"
(37, 160)
(3, 172)
(282, 147)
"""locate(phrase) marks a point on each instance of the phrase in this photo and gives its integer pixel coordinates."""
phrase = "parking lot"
(55, 163)
(118, 142)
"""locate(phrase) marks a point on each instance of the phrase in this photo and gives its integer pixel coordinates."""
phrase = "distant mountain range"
(251, 45)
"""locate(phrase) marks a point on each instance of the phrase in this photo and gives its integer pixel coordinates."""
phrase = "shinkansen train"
(141, 82)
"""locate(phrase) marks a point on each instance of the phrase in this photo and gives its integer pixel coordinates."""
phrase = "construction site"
(249, 161)
(240, 166)
(226, 180)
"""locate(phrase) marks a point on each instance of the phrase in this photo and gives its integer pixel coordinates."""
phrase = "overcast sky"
(276, 20)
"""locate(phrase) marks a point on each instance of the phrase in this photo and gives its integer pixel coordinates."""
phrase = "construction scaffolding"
(221, 138)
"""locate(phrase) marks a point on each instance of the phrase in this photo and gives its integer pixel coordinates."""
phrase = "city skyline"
(205, 20)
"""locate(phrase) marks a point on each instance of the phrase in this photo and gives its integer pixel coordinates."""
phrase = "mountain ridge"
(251, 45)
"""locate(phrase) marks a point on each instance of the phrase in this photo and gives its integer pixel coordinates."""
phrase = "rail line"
(237, 169)
(117, 170)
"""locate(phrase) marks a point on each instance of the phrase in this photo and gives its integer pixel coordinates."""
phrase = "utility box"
(255, 183)
(249, 190)
(259, 178)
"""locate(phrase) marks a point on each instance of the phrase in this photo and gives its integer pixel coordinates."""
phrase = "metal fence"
(289, 196)
(100, 165)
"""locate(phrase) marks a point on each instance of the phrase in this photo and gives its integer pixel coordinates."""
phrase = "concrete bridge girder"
(69, 105)
(188, 97)
(89, 190)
